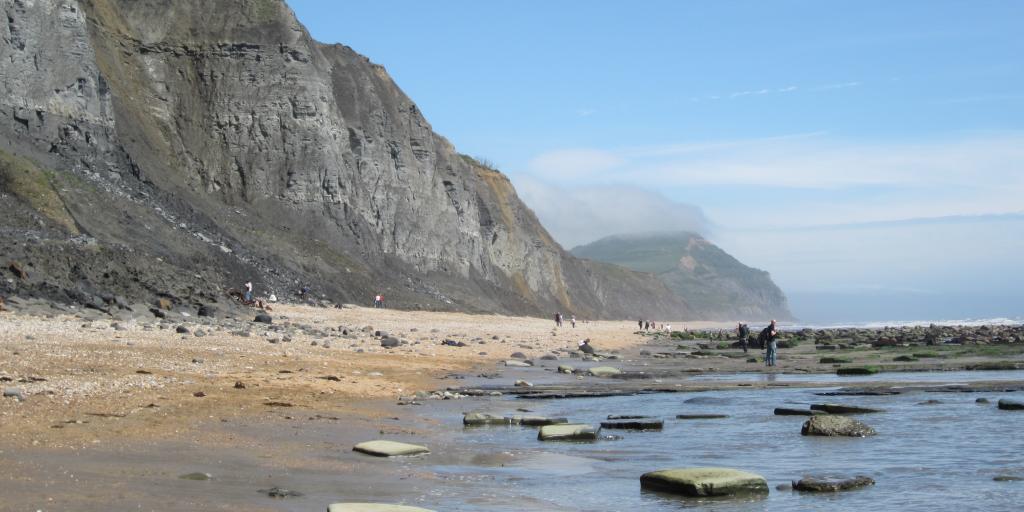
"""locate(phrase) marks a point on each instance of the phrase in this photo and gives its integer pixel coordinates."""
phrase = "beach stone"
(196, 476)
(604, 371)
(698, 482)
(538, 421)
(981, 401)
(833, 425)
(181, 329)
(512, 363)
(277, 492)
(15, 393)
(635, 424)
(549, 357)
(263, 318)
(207, 310)
(475, 419)
(785, 411)
(564, 368)
(523, 384)
(843, 409)
(824, 484)
(389, 342)
(1010, 405)
(567, 432)
(382, 448)
(701, 416)
(1008, 478)
(373, 507)
(627, 417)
(518, 355)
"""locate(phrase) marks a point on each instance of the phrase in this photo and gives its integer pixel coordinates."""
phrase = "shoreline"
(116, 402)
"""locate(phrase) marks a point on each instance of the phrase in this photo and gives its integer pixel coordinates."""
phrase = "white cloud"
(813, 178)
(581, 214)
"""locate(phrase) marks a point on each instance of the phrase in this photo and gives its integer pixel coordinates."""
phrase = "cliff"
(714, 284)
(151, 148)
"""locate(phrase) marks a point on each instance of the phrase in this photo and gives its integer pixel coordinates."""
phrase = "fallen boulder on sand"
(383, 448)
(832, 425)
(567, 432)
(825, 484)
(705, 482)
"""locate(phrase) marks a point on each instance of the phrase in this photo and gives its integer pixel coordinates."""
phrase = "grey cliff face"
(220, 136)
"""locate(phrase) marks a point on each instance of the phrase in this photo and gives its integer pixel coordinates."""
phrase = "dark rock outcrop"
(179, 149)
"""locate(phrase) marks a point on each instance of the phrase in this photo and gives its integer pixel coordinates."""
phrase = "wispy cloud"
(967, 175)
(763, 91)
(586, 112)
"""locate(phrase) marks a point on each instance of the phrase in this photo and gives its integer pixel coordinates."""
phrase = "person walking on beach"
(248, 291)
(767, 338)
(377, 301)
(640, 324)
(572, 320)
(558, 319)
(743, 332)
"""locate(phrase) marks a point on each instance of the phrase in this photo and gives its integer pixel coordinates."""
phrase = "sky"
(868, 154)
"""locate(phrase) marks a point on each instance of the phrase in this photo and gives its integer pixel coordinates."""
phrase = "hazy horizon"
(873, 164)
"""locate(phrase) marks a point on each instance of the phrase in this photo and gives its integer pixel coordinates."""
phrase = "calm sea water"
(926, 457)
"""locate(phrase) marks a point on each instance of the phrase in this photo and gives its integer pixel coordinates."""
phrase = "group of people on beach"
(559, 319)
(766, 339)
(649, 325)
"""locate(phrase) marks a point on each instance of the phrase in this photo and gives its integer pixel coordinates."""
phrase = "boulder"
(833, 425)
(389, 342)
(1010, 405)
(518, 355)
(512, 363)
(564, 368)
(567, 432)
(373, 507)
(381, 448)
(523, 384)
(538, 421)
(825, 484)
(15, 393)
(699, 482)
(604, 371)
(634, 424)
(475, 419)
(263, 318)
(858, 370)
(785, 411)
(701, 416)
(843, 409)
(181, 329)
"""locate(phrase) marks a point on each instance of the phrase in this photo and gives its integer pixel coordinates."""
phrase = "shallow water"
(957, 377)
(926, 457)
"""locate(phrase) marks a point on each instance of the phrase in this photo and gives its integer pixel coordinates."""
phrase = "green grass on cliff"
(24, 179)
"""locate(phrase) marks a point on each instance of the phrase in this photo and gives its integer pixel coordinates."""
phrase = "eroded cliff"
(198, 144)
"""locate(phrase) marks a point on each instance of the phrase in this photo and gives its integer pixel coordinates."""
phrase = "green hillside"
(714, 284)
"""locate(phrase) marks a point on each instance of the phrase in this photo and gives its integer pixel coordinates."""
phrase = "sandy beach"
(79, 373)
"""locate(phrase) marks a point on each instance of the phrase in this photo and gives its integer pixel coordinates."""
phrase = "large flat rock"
(636, 424)
(832, 425)
(381, 448)
(373, 507)
(705, 482)
(604, 371)
(843, 409)
(474, 419)
(567, 432)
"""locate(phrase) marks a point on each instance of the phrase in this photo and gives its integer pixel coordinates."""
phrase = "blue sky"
(762, 122)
